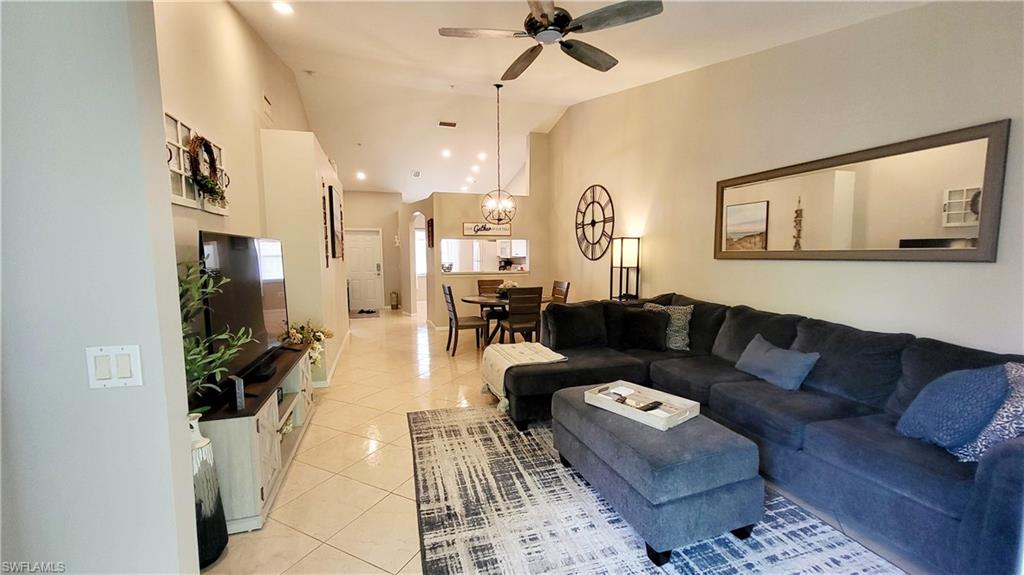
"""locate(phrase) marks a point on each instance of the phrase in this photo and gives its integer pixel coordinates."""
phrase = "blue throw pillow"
(784, 368)
(954, 408)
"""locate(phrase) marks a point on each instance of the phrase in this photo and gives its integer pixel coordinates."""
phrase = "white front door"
(365, 275)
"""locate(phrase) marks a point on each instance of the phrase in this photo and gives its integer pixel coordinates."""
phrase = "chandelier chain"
(498, 121)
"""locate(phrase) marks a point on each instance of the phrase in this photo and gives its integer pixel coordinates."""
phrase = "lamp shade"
(626, 252)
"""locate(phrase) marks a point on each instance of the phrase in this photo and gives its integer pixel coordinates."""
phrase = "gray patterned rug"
(493, 500)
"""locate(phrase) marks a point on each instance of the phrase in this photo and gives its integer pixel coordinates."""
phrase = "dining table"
(495, 301)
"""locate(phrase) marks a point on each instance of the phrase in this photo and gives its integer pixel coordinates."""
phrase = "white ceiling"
(382, 77)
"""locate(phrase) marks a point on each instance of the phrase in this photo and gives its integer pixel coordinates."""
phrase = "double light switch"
(114, 366)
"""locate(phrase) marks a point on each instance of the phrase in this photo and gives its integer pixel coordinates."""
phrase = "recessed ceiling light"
(464, 188)
(446, 153)
(360, 176)
(481, 156)
(475, 168)
(470, 179)
(283, 8)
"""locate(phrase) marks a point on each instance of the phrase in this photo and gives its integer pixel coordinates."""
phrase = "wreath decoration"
(208, 185)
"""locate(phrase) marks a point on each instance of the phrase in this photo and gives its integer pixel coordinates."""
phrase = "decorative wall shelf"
(177, 135)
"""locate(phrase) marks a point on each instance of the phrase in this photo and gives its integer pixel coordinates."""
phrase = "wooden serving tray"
(682, 409)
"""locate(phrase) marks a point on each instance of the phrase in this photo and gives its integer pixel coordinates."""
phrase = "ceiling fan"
(548, 24)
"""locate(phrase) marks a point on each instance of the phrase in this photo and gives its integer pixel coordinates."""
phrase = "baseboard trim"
(436, 327)
(318, 383)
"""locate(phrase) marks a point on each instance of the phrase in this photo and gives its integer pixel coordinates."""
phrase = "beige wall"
(214, 73)
(378, 210)
(661, 148)
(99, 479)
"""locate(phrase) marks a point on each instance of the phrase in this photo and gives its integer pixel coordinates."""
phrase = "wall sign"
(486, 229)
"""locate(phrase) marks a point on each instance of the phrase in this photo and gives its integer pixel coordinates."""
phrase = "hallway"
(348, 502)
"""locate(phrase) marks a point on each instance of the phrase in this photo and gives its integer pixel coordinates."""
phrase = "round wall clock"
(595, 222)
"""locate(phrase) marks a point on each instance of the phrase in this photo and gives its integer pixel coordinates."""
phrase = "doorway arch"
(418, 263)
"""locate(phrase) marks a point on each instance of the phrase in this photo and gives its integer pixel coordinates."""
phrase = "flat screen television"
(255, 296)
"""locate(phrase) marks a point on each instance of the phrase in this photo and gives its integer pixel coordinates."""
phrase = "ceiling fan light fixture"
(549, 36)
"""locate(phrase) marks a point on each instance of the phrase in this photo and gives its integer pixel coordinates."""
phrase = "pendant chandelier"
(498, 206)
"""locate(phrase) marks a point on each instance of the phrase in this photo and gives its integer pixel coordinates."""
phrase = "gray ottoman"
(694, 481)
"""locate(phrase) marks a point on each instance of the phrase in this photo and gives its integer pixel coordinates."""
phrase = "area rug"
(493, 500)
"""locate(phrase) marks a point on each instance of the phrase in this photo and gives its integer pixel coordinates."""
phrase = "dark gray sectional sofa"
(833, 442)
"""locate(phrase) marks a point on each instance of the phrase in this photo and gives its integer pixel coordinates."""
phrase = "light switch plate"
(120, 364)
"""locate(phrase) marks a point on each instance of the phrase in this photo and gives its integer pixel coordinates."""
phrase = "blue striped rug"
(492, 500)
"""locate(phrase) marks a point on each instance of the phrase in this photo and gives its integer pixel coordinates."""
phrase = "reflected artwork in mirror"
(936, 198)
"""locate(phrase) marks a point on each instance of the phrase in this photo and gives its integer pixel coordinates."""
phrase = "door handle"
(378, 269)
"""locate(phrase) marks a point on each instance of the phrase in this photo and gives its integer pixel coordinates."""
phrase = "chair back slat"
(449, 302)
(488, 287)
(560, 292)
(524, 304)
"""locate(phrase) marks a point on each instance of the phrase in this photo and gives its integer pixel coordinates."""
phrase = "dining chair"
(457, 324)
(560, 292)
(523, 314)
(490, 312)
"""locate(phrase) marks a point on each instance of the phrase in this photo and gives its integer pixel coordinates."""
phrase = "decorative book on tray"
(648, 406)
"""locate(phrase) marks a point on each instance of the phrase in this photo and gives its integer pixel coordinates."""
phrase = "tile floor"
(348, 503)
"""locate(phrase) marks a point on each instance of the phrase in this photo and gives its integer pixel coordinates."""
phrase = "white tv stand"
(253, 447)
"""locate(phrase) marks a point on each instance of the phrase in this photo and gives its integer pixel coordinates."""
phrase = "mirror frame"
(997, 134)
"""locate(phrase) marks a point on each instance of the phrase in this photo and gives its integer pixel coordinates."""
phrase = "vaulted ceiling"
(376, 78)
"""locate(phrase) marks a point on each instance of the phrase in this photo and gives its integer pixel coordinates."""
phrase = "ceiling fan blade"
(542, 10)
(522, 63)
(615, 15)
(596, 58)
(480, 33)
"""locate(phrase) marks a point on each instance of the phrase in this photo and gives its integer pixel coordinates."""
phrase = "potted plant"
(206, 360)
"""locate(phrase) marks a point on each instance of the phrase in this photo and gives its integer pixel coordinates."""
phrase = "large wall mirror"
(936, 198)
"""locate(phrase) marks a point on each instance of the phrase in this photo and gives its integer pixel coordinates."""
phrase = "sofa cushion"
(693, 377)
(784, 368)
(576, 325)
(953, 409)
(871, 448)
(644, 329)
(660, 299)
(778, 414)
(742, 323)
(704, 324)
(615, 322)
(925, 359)
(585, 366)
(649, 356)
(687, 459)
(859, 365)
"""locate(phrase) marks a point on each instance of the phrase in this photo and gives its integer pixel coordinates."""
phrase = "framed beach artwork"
(746, 227)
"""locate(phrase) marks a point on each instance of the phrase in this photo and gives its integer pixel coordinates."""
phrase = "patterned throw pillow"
(954, 408)
(677, 336)
(1007, 423)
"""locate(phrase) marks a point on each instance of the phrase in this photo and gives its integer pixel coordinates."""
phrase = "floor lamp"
(624, 279)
